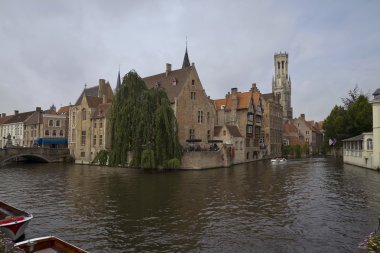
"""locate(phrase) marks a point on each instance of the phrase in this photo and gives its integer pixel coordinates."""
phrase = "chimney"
(302, 116)
(102, 84)
(168, 68)
(16, 112)
(234, 90)
(38, 109)
(104, 99)
(3, 115)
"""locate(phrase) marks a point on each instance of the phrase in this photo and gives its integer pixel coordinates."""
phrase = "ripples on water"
(311, 205)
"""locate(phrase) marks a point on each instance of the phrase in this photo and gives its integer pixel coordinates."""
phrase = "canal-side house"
(14, 126)
(272, 124)
(292, 139)
(100, 135)
(364, 150)
(231, 137)
(192, 107)
(243, 110)
(80, 120)
(313, 137)
(3, 132)
(46, 129)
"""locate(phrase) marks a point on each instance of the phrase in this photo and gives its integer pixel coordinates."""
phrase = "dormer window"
(174, 82)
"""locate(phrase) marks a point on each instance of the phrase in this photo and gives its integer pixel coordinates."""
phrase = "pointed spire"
(118, 82)
(186, 61)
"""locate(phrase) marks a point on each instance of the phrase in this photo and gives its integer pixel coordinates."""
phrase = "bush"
(173, 164)
(101, 158)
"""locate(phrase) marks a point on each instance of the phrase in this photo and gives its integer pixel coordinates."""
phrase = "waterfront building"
(364, 150)
(100, 135)
(313, 137)
(80, 120)
(291, 135)
(192, 107)
(272, 124)
(46, 129)
(14, 126)
(3, 132)
(282, 85)
(243, 110)
(231, 137)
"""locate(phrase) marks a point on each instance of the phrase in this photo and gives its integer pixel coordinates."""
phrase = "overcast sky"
(50, 49)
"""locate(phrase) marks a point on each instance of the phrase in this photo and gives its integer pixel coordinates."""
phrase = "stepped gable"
(171, 82)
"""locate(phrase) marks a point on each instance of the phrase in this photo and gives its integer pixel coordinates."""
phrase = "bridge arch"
(27, 157)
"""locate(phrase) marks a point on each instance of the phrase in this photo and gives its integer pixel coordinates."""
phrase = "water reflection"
(311, 205)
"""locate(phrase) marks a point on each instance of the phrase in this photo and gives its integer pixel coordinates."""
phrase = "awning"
(41, 141)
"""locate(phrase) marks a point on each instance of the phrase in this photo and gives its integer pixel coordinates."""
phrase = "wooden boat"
(48, 244)
(278, 160)
(13, 221)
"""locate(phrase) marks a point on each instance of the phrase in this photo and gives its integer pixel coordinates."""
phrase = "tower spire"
(118, 82)
(186, 61)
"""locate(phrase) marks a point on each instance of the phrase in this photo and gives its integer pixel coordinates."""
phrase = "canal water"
(309, 205)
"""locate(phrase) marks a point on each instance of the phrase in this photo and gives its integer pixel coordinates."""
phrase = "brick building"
(192, 107)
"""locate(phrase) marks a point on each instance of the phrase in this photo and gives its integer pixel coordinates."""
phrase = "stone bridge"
(47, 155)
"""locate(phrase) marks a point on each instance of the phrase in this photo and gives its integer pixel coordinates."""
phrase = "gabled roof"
(171, 82)
(92, 91)
(101, 111)
(64, 110)
(20, 117)
(355, 138)
(35, 118)
(218, 103)
(93, 102)
(234, 131)
(3, 120)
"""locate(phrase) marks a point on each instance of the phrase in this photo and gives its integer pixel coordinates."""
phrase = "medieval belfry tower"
(281, 84)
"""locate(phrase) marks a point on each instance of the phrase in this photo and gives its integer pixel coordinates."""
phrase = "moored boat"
(13, 221)
(48, 244)
(278, 160)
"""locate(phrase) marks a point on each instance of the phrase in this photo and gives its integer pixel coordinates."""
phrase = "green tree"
(351, 119)
(142, 123)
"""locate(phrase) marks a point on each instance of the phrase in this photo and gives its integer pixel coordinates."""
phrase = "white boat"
(13, 221)
(278, 160)
(48, 244)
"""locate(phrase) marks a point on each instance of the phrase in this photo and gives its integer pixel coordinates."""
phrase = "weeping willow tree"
(143, 124)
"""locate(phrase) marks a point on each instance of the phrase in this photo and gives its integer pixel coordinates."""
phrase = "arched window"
(60, 132)
(369, 144)
(47, 133)
(54, 132)
(83, 114)
(278, 63)
(51, 123)
(58, 123)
